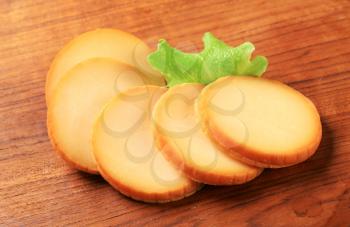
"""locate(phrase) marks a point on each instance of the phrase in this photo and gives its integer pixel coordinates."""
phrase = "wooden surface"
(308, 46)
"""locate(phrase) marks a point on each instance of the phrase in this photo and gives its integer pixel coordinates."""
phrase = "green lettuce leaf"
(217, 59)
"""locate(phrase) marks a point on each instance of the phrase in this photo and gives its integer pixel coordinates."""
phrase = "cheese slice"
(77, 101)
(261, 121)
(181, 139)
(126, 154)
(109, 43)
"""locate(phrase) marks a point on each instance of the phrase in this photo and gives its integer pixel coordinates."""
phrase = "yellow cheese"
(182, 140)
(77, 101)
(263, 122)
(125, 152)
(109, 43)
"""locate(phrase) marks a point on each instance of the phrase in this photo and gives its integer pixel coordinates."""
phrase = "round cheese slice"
(77, 101)
(109, 43)
(181, 139)
(126, 154)
(262, 122)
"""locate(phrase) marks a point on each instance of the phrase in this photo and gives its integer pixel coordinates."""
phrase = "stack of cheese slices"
(109, 113)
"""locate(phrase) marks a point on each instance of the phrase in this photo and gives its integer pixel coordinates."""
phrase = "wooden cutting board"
(308, 45)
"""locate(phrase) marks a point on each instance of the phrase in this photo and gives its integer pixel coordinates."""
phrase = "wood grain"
(308, 45)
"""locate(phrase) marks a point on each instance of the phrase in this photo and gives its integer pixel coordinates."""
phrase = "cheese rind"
(108, 43)
(77, 101)
(126, 154)
(262, 122)
(181, 139)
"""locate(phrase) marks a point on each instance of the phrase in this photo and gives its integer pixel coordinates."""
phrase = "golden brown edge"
(199, 175)
(138, 195)
(60, 152)
(248, 155)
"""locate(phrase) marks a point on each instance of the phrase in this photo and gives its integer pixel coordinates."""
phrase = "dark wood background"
(308, 45)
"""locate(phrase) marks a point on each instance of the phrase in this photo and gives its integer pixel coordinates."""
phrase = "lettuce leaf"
(217, 59)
